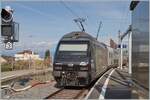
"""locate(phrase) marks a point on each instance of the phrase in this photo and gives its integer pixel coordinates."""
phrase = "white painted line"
(103, 90)
(86, 98)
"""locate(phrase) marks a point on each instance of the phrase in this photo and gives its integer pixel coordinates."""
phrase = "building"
(27, 55)
(2, 60)
(8, 59)
(140, 44)
(113, 44)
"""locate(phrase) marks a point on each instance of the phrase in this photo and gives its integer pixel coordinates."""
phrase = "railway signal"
(9, 28)
(7, 15)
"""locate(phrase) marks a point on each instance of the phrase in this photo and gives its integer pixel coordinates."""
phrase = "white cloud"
(46, 44)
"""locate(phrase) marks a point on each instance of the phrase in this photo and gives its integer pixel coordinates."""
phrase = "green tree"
(47, 59)
(47, 54)
(6, 67)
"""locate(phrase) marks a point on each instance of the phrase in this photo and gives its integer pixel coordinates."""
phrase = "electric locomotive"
(79, 59)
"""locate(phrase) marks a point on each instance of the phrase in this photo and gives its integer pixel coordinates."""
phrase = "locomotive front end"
(71, 63)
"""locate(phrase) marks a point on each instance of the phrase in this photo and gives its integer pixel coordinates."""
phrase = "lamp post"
(130, 51)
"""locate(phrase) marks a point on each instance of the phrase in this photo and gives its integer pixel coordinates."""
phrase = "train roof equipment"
(78, 35)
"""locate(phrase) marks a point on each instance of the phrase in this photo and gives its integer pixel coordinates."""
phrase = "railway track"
(68, 94)
(76, 93)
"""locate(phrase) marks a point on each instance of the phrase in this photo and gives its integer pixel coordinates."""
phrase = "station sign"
(123, 46)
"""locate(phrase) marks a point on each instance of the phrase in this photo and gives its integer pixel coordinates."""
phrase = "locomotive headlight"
(83, 68)
(58, 68)
(83, 63)
(58, 63)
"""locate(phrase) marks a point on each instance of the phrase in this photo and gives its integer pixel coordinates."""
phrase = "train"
(79, 59)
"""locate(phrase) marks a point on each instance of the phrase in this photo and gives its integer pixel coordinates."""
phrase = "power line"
(69, 9)
(79, 21)
(85, 15)
(34, 10)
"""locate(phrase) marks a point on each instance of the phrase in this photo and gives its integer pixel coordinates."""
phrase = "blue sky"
(43, 23)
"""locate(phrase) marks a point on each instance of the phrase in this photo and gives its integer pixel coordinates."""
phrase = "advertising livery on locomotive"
(79, 59)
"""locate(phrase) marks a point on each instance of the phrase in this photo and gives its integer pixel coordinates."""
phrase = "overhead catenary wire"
(35, 10)
(69, 9)
(78, 20)
(84, 14)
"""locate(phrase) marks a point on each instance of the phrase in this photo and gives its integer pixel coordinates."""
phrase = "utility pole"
(100, 24)
(29, 62)
(130, 49)
(121, 56)
(12, 64)
(120, 43)
(129, 33)
(79, 22)
(130, 52)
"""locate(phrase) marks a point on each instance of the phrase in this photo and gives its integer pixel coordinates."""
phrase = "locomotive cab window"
(73, 49)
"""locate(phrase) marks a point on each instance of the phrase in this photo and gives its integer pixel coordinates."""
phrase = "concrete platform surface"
(114, 84)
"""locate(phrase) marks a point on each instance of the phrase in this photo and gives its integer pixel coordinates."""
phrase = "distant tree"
(6, 67)
(47, 54)
(47, 59)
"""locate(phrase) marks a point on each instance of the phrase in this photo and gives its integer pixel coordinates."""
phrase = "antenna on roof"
(79, 22)
(100, 24)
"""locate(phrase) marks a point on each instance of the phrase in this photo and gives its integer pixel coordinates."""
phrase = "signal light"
(6, 16)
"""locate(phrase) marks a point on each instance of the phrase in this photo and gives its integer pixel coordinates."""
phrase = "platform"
(114, 84)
